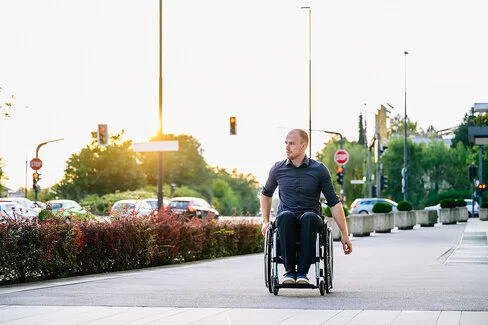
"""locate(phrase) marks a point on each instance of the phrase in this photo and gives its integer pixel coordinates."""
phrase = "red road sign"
(341, 157)
(36, 163)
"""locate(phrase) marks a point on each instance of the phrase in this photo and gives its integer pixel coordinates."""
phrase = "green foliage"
(404, 206)
(448, 203)
(461, 203)
(101, 170)
(382, 207)
(56, 248)
(484, 205)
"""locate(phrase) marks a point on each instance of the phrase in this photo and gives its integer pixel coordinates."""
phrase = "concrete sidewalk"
(215, 316)
(473, 245)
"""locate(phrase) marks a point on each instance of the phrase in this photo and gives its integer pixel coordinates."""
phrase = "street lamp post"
(309, 79)
(160, 132)
(36, 191)
(405, 151)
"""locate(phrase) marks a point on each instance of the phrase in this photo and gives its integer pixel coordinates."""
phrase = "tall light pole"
(160, 132)
(365, 155)
(309, 79)
(405, 151)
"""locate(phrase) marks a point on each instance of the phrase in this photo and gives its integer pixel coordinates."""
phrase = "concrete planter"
(483, 214)
(336, 232)
(448, 216)
(383, 222)
(361, 224)
(426, 218)
(463, 214)
(405, 219)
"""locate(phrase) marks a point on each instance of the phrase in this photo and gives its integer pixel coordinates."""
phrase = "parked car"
(469, 206)
(365, 205)
(25, 202)
(65, 207)
(192, 207)
(14, 211)
(153, 202)
(130, 208)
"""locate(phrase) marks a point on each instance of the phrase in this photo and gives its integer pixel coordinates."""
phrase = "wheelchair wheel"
(276, 288)
(267, 260)
(322, 287)
(329, 261)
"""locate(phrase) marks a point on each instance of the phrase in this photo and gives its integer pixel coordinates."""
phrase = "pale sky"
(75, 64)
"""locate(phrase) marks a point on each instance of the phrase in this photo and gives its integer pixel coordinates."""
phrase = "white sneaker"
(289, 278)
(302, 279)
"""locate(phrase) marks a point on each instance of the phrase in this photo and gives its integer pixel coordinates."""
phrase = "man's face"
(294, 146)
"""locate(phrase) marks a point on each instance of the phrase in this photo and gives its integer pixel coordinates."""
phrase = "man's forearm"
(340, 218)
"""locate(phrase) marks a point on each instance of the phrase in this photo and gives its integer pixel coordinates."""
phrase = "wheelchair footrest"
(298, 286)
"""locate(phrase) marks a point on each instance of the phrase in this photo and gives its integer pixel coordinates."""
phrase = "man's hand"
(264, 228)
(346, 244)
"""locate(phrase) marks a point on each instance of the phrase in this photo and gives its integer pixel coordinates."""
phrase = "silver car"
(365, 206)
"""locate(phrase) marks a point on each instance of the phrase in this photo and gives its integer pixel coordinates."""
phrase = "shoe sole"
(302, 281)
(289, 281)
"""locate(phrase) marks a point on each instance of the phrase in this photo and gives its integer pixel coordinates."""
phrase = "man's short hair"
(303, 135)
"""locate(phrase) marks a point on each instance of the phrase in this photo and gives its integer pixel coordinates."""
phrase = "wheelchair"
(324, 261)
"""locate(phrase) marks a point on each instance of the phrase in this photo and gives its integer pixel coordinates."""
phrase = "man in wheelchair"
(301, 180)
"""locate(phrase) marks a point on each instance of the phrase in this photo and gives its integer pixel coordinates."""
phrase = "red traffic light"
(339, 169)
(482, 187)
(233, 130)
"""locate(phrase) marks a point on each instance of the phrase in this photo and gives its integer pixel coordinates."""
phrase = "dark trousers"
(306, 226)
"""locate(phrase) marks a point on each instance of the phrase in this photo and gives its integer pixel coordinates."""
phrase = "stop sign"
(341, 157)
(36, 163)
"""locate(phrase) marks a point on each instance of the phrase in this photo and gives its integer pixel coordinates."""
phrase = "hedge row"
(54, 248)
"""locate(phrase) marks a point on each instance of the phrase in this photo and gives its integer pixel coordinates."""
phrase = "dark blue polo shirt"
(300, 187)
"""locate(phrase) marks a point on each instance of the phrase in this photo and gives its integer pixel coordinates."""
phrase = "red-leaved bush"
(61, 247)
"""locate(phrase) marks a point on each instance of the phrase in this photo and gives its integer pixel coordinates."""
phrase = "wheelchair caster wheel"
(275, 287)
(322, 287)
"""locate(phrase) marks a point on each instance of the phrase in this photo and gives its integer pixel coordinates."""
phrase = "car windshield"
(179, 204)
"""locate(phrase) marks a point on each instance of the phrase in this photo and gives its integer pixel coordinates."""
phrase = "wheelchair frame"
(324, 261)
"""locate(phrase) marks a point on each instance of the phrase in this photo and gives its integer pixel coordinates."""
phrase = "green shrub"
(484, 205)
(404, 206)
(461, 203)
(448, 203)
(382, 207)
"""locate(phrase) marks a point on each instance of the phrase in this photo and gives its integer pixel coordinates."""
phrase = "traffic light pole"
(35, 179)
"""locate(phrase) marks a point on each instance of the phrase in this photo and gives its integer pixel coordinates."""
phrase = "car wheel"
(363, 212)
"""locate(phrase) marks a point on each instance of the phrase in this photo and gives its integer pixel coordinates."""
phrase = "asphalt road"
(402, 270)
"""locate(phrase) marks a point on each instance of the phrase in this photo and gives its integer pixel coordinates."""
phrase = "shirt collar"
(306, 162)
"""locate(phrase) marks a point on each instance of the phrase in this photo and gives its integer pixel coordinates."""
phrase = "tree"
(245, 187)
(6, 104)
(354, 169)
(101, 170)
(393, 169)
(461, 133)
(361, 138)
(397, 126)
(185, 167)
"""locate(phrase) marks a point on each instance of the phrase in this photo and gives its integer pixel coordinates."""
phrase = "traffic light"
(481, 188)
(233, 130)
(340, 174)
(35, 179)
(373, 194)
(384, 182)
(102, 135)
